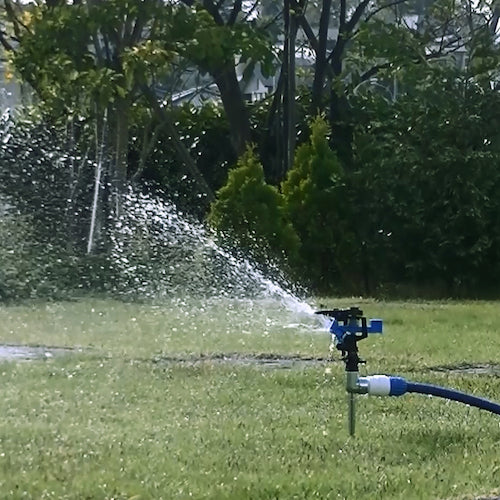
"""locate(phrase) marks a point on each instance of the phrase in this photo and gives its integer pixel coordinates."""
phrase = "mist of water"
(160, 252)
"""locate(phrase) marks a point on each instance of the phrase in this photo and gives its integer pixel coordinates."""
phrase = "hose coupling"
(356, 384)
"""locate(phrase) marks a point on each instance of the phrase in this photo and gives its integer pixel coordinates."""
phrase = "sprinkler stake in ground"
(347, 328)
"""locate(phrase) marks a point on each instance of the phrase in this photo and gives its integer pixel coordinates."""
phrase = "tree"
(230, 37)
(114, 52)
(375, 38)
(252, 213)
(428, 184)
(315, 200)
(98, 60)
(84, 59)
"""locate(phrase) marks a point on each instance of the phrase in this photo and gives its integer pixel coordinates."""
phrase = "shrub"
(428, 188)
(316, 203)
(252, 212)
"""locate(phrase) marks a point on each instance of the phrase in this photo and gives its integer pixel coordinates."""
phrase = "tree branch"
(14, 19)
(321, 60)
(234, 12)
(382, 7)
(495, 18)
(342, 17)
(373, 71)
(5, 44)
(251, 10)
(417, 60)
(306, 28)
(356, 16)
(147, 147)
(212, 9)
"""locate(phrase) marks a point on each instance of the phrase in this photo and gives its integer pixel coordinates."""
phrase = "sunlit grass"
(117, 421)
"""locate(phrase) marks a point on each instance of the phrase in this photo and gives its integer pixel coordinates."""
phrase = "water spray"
(347, 328)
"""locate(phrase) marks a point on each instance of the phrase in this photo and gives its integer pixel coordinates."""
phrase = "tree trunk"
(234, 107)
(119, 175)
(289, 88)
(321, 64)
(272, 148)
(339, 116)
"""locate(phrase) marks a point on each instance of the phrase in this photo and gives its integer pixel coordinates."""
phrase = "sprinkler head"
(350, 325)
(342, 314)
(347, 328)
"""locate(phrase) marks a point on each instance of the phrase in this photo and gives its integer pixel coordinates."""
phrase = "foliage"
(204, 131)
(428, 173)
(122, 48)
(315, 200)
(54, 57)
(75, 58)
(31, 267)
(45, 179)
(267, 131)
(44, 183)
(85, 58)
(214, 45)
(15, 261)
(252, 212)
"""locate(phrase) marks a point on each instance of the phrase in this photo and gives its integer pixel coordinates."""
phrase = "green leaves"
(145, 60)
(427, 169)
(252, 212)
(212, 46)
(315, 203)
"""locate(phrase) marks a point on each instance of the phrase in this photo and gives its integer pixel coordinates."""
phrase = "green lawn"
(118, 420)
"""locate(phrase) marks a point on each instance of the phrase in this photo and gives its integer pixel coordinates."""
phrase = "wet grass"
(117, 422)
(177, 327)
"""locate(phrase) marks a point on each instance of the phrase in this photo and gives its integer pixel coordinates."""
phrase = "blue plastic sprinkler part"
(339, 331)
(349, 326)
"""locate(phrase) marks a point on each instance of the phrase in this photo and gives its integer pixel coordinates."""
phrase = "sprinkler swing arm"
(347, 328)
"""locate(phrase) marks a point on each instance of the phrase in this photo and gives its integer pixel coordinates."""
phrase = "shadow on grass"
(270, 360)
(434, 442)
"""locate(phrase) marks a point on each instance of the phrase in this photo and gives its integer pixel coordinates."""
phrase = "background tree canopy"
(375, 165)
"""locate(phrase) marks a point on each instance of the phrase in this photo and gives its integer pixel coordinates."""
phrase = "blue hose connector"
(399, 386)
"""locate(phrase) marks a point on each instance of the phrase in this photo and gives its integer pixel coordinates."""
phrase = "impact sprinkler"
(347, 328)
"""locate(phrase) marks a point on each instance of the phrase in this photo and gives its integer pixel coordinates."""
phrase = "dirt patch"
(471, 369)
(263, 360)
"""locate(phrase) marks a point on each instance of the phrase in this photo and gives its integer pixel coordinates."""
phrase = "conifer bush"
(316, 203)
(252, 212)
